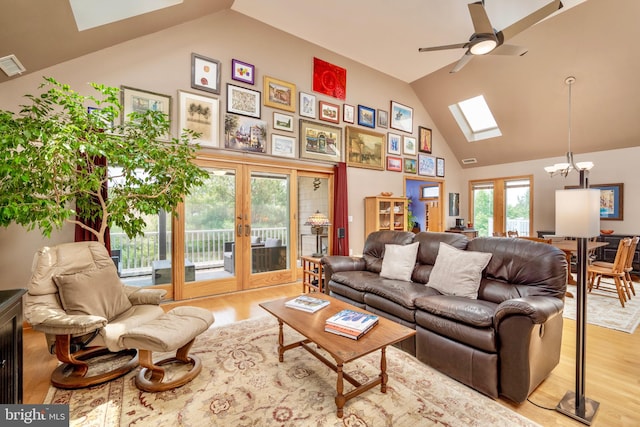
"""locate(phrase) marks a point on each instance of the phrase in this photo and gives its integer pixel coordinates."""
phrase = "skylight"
(94, 13)
(475, 119)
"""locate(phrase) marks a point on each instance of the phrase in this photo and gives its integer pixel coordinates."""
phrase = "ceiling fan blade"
(462, 62)
(481, 23)
(509, 49)
(445, 47)
(528, 21)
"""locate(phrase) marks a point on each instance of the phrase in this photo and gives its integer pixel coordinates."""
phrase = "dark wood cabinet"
(11, 346)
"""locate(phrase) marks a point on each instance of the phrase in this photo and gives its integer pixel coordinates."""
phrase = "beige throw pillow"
(398, 261)
(97, 292)
(458, 272)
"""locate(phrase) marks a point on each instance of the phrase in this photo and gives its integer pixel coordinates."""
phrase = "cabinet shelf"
(385, 213)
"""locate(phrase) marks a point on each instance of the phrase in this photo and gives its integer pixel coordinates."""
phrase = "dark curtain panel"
(340, 212)
(82, 235)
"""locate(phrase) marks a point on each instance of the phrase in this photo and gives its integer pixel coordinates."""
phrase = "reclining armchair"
(77, 300)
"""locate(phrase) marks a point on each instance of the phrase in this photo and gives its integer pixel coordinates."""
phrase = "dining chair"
(499, 234)
(628, 267)
(535, 239)
(615, 271)
(513, 233)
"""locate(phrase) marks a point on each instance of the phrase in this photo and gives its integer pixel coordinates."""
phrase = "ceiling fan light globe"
(584, 166)
(483, 47)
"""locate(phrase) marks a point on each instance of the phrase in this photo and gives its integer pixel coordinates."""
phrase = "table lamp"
(317, 221)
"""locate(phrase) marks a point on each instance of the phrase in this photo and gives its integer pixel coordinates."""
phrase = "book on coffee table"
(352, 321)
(346, 332)
(307, 303)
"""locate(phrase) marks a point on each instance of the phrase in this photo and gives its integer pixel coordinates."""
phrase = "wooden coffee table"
(342, 349)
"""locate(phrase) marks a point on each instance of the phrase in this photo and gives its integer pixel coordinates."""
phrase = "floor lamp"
(318, 221)
(578, 215)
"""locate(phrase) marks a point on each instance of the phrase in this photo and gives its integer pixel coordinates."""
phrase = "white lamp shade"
(578, 212)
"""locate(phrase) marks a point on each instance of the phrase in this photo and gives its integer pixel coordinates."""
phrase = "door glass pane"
(517, 206)
(313, 196)
(483, 209)
(269, 222)
(209, 246)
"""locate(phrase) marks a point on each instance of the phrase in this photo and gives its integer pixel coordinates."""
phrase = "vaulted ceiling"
(592, 40)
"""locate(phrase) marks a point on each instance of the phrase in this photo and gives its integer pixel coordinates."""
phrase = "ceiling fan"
(487, 40)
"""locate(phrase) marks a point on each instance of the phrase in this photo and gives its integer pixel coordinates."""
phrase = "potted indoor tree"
(57, 157)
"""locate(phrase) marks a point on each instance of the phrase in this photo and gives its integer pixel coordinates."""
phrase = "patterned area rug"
(243, 384)
(604, 309)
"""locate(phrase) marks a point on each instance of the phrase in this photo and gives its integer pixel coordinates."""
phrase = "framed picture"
(401, 117)
(139, 101)
(205, 73)
(394, 143)
(329, 112)
(243, 72)
(426, 165)
(366, 116)
(365, 148)
(424, 137)
(611, 200)
(454, 204)
(410, 165)
(307, 105)
(409, 147)
(243, 101)
(245, 134)
(383, 119)
(348, 113)
(394, 164)
(282, 121)
(439, 166)
(329, 79)
(280, 94)
(283, 146)
(320, 142)
(200, 114)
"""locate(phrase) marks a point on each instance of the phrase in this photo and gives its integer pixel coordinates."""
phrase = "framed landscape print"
(242, 72)
(200, 114)
(364, 148)
(348, 113)
(426, 165)
(283, 146)
(410, 165)
(409, 146)
(282, 121)
(245, 134)
(424, 138)
(394, 164)
(205, 73)
(140, 101)
(401, 117)
(329, 79)
(611, 200)
(439, 166)
(383, 119)
(394, 143)
(243, 101)
(307, 105)
(366, 116)
(279, 94)
(319, 141)
(329, 112)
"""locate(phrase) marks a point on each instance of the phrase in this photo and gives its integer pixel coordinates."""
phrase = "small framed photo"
(394, 143)
(243, 72)
(245, 134)
(283, 146)
(282, 122)
(394, 164)
(426, 165)
(383, 119)
(424, 136)
(410, 165)
(280, 94)
(366, 116)
(329, 112)
(200, 114)
(439, 166)
(243, 101)
(401, 117)
(319, 141)
(348, 113)
(140, 101)
(409, 147)
(307, 105)
(205, 73)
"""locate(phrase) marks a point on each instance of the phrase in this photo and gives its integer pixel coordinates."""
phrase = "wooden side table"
(11, 346)
(312, 276)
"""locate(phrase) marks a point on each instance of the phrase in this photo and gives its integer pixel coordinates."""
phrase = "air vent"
(11, 66)
(469, 161)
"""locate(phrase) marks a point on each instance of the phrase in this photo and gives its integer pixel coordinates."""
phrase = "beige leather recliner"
(77, 299)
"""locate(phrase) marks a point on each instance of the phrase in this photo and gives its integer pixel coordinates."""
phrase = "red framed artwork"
(329, 79)
(394, 164)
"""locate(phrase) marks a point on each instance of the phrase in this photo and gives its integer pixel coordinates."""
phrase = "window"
(475, 119)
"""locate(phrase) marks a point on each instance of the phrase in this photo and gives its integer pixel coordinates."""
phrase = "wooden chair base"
(150, 378)
(73, 373)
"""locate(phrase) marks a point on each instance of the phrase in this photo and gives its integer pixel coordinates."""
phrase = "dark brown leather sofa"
(504, 343)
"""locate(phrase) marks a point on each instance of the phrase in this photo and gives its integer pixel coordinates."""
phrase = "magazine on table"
(354, 320)
(307, 303)
(346, 332)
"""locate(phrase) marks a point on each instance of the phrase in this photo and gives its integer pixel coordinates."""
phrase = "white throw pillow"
(398, 261)
(458, 272)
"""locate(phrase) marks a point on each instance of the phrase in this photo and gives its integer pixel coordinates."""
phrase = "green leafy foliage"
(52, 159)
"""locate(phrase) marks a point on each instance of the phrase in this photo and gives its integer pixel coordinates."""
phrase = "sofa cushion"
(457, 272)
(373, 250)
(399, 261)
(97, 292)
(474, 312)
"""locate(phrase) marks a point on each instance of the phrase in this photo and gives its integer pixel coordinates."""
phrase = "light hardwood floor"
(612, 373)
